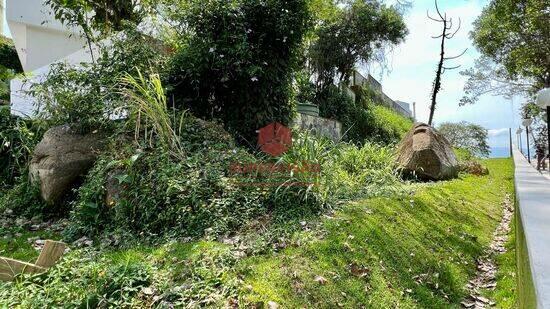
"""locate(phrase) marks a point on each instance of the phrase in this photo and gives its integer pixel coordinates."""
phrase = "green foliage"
(412, 251)
(101, 17)
(237, 60)
(345, 170)
(463, 155)
(23, 199)
(513, 39)
(86, 96)
(80, 280)
(9, 66)
(17, 139)
(8, 55)
(161, 194)
(356, 35)
(362, 120)
(147, 106)
(468, 136)
(501, 34)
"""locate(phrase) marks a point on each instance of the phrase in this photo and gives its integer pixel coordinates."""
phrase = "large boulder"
(427, 154)
(60, 159)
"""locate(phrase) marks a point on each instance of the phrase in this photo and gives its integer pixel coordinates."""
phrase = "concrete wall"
(319, 126)
(357, 79)
(39, 39)
(533, 238)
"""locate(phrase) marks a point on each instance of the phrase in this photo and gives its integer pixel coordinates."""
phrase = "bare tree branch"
(458, 56)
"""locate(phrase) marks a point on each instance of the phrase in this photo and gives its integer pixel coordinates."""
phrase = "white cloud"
(498, 132)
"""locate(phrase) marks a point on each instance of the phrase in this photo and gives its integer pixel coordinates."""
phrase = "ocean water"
(500, 152)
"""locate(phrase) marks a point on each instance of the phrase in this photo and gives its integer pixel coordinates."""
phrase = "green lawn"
(415, 251)
(385, 253)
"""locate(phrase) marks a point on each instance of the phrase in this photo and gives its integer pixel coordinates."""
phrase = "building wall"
(40, 40)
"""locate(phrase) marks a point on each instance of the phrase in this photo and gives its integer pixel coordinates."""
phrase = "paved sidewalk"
(533, 200)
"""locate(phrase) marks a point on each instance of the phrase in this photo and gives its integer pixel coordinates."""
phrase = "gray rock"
(427, 154)
(61, 158)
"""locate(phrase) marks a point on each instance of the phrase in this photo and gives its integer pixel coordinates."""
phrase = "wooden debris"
(9, 268)
(50, 254)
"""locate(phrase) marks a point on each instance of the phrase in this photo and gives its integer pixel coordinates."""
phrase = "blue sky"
(414, 62)
(412, 70)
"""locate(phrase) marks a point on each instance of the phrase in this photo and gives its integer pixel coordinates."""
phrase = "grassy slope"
(415, 253)
(391, 120)
(406, 254)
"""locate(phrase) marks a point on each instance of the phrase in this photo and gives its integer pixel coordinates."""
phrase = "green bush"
(237, 60)
(9, 66)
(80, 280)
(8, 55)
(345, 169)
(166, 195)
(24, 200)
(17, 139)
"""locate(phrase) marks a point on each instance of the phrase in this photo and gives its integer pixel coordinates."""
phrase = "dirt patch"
(485, 278)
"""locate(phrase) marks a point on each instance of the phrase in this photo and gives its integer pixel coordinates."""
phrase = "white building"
(40, 40)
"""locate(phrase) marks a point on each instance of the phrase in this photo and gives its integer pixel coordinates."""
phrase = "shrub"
(17, 139)
(163, 194)
(237, 61)
(147, 107)
(80, 280)
(346, 170)
(8, 55)
(23, 199)
(9, 66)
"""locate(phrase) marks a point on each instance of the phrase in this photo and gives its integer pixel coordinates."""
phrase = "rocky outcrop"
(427, 154)
(60, 159)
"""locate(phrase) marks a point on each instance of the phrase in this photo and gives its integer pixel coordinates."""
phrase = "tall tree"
(513, 37)
(360, 29)
(447, 32)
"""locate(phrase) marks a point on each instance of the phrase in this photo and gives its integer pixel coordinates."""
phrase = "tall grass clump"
(345, 170)
(148, 110)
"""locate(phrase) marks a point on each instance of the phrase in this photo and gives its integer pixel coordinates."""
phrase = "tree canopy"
(513, 37)
(361, 29)
(465, 135)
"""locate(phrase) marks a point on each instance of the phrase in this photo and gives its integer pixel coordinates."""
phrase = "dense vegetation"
(416, 249)
(239, 61)
(9, 66)
(180, 209)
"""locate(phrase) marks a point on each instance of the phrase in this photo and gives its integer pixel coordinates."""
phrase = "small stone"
(272, 305)
(321, 280)
(148, 291)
